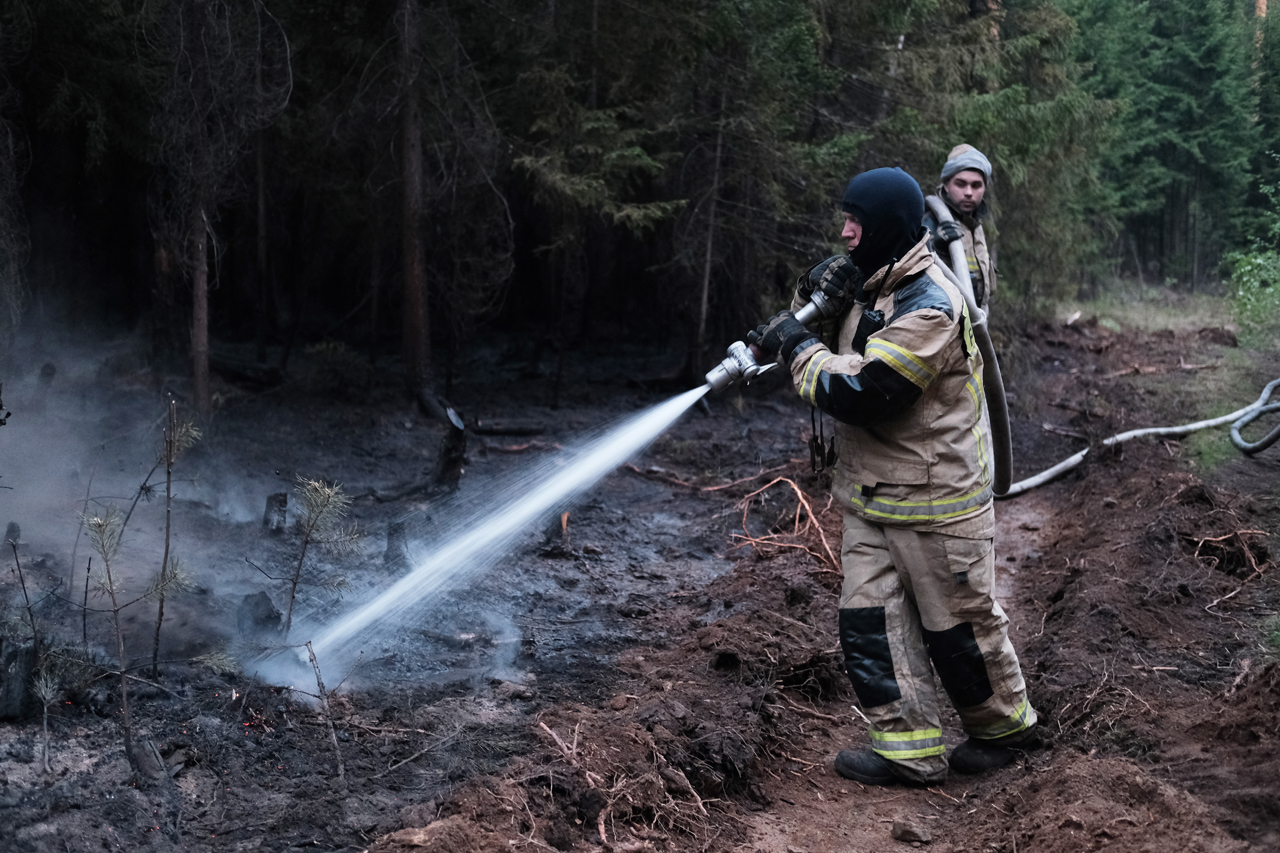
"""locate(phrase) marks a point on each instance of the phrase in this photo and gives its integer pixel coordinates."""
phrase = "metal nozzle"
(739, 365)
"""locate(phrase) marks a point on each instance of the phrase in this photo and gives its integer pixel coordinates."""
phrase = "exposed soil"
(665, 676)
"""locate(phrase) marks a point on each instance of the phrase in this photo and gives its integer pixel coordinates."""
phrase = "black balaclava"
(889, 205)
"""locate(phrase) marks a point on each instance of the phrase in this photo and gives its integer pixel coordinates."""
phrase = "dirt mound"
(1085, 803)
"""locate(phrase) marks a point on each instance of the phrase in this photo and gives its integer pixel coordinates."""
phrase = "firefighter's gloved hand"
(841, 280)
(947, 231)
(780, 337)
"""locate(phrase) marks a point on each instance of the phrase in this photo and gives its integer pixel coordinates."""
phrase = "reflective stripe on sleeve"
(809, 381)
(974, 387)
(920, 510)
(904, 745)
(901, 360)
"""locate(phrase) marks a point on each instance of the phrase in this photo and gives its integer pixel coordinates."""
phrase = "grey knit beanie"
(966, 157)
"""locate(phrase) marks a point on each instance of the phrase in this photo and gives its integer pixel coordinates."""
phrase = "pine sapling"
(104, 535)
(47, 689)
(324, 507)
(177, 438)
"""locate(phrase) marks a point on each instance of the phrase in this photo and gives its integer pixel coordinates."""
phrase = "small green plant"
(1255, 289)
(324, 509)
(177, 438)
(1271, 637)
(104, 532)
(48, 689)
(1255, 273)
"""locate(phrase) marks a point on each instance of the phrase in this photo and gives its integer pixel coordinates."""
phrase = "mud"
(662, 673)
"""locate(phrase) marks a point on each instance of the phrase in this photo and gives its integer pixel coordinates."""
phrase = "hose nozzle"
(739, 365)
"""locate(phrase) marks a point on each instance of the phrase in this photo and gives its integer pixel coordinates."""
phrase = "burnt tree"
(228, 76)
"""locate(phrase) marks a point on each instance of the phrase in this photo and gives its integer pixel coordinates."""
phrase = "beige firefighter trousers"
(915, 603)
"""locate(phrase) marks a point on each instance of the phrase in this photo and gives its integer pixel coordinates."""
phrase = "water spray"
(485, 537)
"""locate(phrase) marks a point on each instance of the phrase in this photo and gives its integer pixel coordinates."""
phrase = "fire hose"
(1238, 420)
(992, 381)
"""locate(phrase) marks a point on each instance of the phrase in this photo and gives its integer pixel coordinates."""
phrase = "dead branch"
(756, 476)
(809, 712)
(1070, 433)
(433, 746)
(570, 755)
(662, 478)
(324, 705)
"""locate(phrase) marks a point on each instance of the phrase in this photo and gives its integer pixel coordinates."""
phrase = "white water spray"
(481, 544)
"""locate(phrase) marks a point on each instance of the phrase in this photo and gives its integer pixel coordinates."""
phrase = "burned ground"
(665, 676)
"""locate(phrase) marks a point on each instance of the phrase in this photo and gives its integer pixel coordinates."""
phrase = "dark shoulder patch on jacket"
(921, 293)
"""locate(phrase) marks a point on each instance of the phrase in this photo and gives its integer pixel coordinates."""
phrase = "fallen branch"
(570, 755)
(328, 716)
(1069, 433)
(763, 473)
(436, 745)
(809, 712)
(660, 477)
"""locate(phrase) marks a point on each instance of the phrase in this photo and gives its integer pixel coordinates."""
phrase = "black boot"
(865, 766)
(979, 755)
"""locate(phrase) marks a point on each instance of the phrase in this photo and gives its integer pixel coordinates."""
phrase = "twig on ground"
(571, 756)
(763, 473)
(436, 745)
(809, 712)
(324, 704)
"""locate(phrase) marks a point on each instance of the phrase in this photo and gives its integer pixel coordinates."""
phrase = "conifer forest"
(389, 269)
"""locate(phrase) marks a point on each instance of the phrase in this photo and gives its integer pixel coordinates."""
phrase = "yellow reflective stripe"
(970, 343)
(973, 386)
(1011, 725)
(903, 361)
(809, 380)
(918, 510)
(922, 734)
(903, 745)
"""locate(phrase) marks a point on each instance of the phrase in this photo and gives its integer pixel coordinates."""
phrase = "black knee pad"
(959, 663)
(867, 658)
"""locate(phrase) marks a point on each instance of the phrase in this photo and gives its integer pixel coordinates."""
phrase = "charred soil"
(660, 671)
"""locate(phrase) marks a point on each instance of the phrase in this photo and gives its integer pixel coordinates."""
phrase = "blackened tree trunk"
(200, 314)
(416, 335)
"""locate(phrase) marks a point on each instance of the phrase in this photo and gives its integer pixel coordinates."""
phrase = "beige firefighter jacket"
(913, 435)
(982, 266)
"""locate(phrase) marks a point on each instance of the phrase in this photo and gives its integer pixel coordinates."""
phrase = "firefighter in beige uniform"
(965, 179)
(914, 479)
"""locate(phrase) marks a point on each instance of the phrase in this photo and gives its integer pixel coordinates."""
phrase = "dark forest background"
(404, 178)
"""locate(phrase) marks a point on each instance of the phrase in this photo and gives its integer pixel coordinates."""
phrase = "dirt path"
(817, 811)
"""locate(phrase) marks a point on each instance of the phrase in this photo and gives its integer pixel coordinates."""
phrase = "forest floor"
(660, 673)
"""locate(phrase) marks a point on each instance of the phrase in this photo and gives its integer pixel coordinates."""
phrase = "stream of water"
(494, 526)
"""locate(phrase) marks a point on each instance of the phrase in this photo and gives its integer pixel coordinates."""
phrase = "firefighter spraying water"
(923, 446)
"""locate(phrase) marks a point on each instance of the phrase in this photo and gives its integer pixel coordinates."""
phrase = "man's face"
(852, 232)
(965, 189)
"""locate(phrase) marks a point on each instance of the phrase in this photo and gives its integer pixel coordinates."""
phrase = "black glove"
(947, 231)
(841, 280)
(781, 336)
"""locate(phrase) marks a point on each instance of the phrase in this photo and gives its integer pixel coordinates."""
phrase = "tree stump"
(453, 452)
(258, 615)
(276, 514)
(396, 557)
